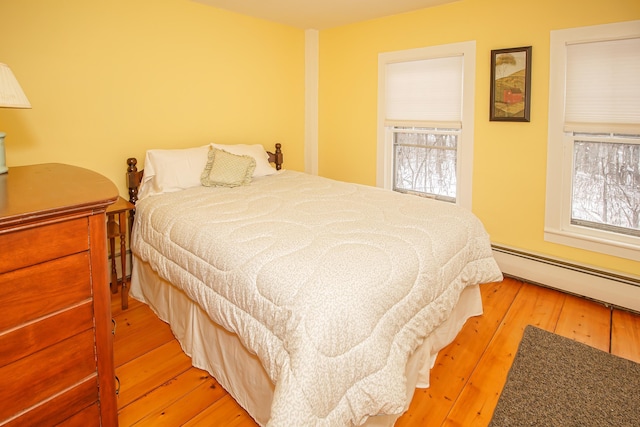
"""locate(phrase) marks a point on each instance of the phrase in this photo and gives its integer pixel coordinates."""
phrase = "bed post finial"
(133, 179)
(278, 156)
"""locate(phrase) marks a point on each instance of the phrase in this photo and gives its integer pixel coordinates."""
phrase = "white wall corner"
(311, 75)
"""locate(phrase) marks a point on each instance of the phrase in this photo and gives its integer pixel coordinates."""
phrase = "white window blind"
(425, 93)
(603, 86)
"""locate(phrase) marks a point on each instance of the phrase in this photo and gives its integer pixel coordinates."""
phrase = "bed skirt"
(219, 352)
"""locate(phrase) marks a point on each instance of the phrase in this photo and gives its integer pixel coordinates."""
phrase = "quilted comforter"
(332, 285)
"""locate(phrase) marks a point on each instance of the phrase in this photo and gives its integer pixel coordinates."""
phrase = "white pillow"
(166, 171)
(257, 151)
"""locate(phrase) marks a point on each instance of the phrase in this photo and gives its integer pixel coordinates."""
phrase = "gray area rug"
(555, 381)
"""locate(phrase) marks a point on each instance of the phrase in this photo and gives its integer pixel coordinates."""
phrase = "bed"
(313, 302)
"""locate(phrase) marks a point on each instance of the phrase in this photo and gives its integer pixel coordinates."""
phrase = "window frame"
(558, 227)
(464, 165)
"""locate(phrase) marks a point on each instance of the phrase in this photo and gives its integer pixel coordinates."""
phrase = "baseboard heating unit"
(598, 284)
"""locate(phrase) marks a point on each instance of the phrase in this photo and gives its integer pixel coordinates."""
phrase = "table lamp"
(11, 96)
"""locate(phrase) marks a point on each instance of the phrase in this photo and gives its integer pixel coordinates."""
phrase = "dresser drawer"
(56, 369)
(44, 243)
(32, 292)
(35, 336)
(88, 417)
(63, 408)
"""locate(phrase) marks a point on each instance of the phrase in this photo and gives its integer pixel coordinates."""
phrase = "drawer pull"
(117, 386)
(113, 331)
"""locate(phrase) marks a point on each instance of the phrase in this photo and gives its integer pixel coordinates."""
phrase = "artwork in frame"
(510, 84)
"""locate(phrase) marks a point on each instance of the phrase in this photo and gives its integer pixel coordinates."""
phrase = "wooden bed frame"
(134, 176)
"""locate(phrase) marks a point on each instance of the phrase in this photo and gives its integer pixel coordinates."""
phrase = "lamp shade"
(11, 94)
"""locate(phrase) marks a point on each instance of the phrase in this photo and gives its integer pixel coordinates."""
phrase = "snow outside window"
(593, 173)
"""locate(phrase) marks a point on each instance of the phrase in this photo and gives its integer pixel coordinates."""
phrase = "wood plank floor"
(160, 387)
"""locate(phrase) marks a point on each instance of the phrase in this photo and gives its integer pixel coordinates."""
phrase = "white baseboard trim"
(607, 287)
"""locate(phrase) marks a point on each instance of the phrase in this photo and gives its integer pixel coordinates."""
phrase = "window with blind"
(593, 173)
(425, 146)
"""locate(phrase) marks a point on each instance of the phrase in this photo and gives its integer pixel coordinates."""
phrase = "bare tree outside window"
(425, 161)
(606, 185)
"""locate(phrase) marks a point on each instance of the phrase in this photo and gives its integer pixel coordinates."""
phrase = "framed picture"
(510, 84)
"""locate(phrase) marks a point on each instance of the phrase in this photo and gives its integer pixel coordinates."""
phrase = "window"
(425, 121)
(425, 161)
(593, 164)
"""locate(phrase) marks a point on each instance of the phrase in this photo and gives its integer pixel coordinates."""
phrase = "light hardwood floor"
(160, 387)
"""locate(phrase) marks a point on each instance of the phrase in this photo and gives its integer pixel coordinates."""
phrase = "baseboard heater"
(598, 284)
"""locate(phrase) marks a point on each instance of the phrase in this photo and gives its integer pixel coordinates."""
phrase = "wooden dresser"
(56, 343)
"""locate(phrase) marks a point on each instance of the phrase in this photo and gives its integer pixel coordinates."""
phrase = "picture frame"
(510, 99)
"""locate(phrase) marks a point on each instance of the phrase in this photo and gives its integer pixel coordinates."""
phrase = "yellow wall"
(108, 80)
(509, 169)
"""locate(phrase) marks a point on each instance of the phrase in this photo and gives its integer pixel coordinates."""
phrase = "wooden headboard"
(134, 176)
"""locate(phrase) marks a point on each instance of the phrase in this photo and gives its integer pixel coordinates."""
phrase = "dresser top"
(34, 192)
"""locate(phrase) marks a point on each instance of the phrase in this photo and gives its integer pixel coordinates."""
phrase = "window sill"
(593, 243)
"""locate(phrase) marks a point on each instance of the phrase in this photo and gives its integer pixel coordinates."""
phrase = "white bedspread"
(332, 285)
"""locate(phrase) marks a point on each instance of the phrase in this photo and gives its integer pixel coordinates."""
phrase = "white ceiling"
(321, 14)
